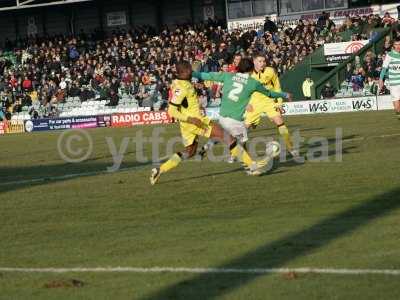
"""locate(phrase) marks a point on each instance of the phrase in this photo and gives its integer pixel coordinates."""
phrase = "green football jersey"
(237, 91)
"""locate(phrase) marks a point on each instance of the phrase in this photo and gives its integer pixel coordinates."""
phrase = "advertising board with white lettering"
(338, 52)
(330, 106)
(73, 122)
(338, 16)
(318, 106)
(140, 118)
(104, 121)
(61, 123)
(116, 18)
(37, 125)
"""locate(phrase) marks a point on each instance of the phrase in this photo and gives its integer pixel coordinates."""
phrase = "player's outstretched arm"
(212, 76)
(260, 88)
(382, 77)
(385, 68)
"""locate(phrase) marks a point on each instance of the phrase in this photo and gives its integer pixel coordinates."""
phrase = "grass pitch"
(318, 214)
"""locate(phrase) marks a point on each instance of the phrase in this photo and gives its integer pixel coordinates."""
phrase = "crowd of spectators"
(364, 27)
(362, 76)
(41, 72)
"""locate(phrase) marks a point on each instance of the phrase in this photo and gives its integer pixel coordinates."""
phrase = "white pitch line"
(206, 270)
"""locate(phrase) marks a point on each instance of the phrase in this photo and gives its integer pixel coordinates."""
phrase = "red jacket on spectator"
(13, 82)
(99, 78)
(387, 19)
(27, 84)
(232, 68)
(127, 78)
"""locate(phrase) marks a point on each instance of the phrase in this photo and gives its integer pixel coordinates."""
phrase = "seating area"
(346, 90)
(74, 107)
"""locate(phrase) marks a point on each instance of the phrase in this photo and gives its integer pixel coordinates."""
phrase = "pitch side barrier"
(85, 122)
(336, 105)
(367, 103)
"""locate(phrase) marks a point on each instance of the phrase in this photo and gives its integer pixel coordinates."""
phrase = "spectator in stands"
(324, 22)
(269, 25)
(387, 45)
(233, 67)
(371, 86)
(349, 72)
(387, 20)
(328, 92)
(357, 79)
(203, 96)
(114, 98)
(370, 66)
(307, 84)
(398, 12)
(369, 25)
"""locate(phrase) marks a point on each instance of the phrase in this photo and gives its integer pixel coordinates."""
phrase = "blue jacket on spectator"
(73, 53)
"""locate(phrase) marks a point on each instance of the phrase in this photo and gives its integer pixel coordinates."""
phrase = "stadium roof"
(22, 4)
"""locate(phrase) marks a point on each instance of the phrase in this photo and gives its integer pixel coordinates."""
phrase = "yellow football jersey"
(268, 78)
(261, 104)
(185, 96)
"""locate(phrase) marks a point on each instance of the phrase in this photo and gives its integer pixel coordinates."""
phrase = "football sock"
(287, 138)
(173, 162)
(238, 152)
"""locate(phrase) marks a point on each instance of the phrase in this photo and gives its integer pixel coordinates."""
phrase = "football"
(273, 149)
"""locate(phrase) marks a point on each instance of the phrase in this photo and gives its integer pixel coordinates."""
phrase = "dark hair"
(184, 70)
(246, 65)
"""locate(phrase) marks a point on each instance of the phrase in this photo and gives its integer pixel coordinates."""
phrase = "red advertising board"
(140, 118)
(2, 127)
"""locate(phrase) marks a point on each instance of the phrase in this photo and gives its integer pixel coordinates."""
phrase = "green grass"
(318, 214)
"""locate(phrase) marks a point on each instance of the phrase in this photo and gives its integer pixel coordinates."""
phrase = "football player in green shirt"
(237, 91)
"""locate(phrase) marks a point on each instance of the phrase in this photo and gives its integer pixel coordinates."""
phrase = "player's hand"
(195, 121)
(381, 84)
(249, 108)
(289, 97)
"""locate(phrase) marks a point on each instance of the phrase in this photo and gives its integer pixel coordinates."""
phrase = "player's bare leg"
(237, 150)
(173, 162)
(206, 147)
(396, 105)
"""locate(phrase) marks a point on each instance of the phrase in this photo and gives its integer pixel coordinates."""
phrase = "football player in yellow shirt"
(184, 107)
(260, 104)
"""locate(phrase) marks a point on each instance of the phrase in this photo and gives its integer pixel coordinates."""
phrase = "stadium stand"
(129, 71)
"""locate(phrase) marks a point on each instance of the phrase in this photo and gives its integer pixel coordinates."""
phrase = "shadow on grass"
(281, 252)
(43, 174)
(21, 177)
(270, 173)
(310, 153)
